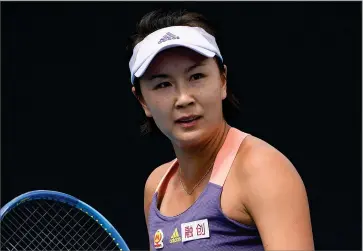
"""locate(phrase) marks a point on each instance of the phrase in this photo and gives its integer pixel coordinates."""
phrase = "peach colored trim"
(224, 159)
(166, 174)
(226, 156)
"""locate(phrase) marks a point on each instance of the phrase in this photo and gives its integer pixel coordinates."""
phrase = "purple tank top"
(203, 226)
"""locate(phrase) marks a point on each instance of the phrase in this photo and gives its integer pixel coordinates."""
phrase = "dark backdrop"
(70, 122)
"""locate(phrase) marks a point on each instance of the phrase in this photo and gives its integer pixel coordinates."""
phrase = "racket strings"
(21, 231)
(34, 235)
(51, 225)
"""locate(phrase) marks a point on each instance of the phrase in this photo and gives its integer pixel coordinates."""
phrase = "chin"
(187, 138)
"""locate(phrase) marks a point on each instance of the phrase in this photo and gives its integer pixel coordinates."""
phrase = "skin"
(262, 188)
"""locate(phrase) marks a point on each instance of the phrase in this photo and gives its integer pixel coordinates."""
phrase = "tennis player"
(226, 189)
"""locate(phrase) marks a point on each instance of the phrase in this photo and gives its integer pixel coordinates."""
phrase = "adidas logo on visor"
(167, 36)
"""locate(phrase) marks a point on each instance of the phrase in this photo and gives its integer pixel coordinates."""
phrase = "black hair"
(159, 19)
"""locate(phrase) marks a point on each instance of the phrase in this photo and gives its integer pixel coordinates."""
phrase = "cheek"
(161, 111)
(211, 96)
(159, 106)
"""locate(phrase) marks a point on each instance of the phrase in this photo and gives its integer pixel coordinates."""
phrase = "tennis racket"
(50, 220)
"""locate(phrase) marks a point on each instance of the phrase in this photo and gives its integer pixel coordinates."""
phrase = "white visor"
(194, 38)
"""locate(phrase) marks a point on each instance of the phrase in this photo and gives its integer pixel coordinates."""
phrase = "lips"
(186, 119)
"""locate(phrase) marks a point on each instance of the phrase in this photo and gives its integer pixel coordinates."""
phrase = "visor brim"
(147, 61)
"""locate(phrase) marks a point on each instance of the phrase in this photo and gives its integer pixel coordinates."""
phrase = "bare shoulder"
(155, 176)
(152, 182)
(150, 186)
(256, 157)
(274, 195)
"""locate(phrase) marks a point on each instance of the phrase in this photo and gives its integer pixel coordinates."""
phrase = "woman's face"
(183, 92)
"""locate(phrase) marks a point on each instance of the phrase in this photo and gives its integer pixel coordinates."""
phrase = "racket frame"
(72, 201)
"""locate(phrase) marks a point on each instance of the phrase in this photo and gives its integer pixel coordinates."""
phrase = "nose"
(184, 98)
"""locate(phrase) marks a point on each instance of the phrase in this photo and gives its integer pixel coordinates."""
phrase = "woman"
(226, 190)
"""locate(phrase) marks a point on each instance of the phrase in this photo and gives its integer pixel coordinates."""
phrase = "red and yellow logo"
(158, 239)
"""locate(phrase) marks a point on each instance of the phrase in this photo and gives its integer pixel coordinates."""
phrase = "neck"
(195, 161)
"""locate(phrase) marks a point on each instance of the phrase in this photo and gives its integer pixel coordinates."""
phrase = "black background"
(70, 122)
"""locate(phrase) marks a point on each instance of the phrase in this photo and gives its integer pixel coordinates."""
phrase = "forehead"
(177, 56)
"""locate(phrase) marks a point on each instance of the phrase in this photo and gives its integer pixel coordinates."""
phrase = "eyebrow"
(194, 66)
(186, 71)
(158, 76)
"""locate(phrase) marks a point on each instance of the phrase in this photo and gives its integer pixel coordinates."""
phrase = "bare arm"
(277, 200)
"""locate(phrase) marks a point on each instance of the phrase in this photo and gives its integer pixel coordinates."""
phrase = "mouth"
(188, 119)
(188, 122)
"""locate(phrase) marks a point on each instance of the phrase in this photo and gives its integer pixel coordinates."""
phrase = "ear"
(142, 102)
(224, 83)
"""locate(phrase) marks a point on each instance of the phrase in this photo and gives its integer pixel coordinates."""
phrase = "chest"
(200, 223)
(175, 201)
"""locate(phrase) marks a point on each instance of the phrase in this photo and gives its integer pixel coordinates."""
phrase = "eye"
(197, 76)
(162, 85)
